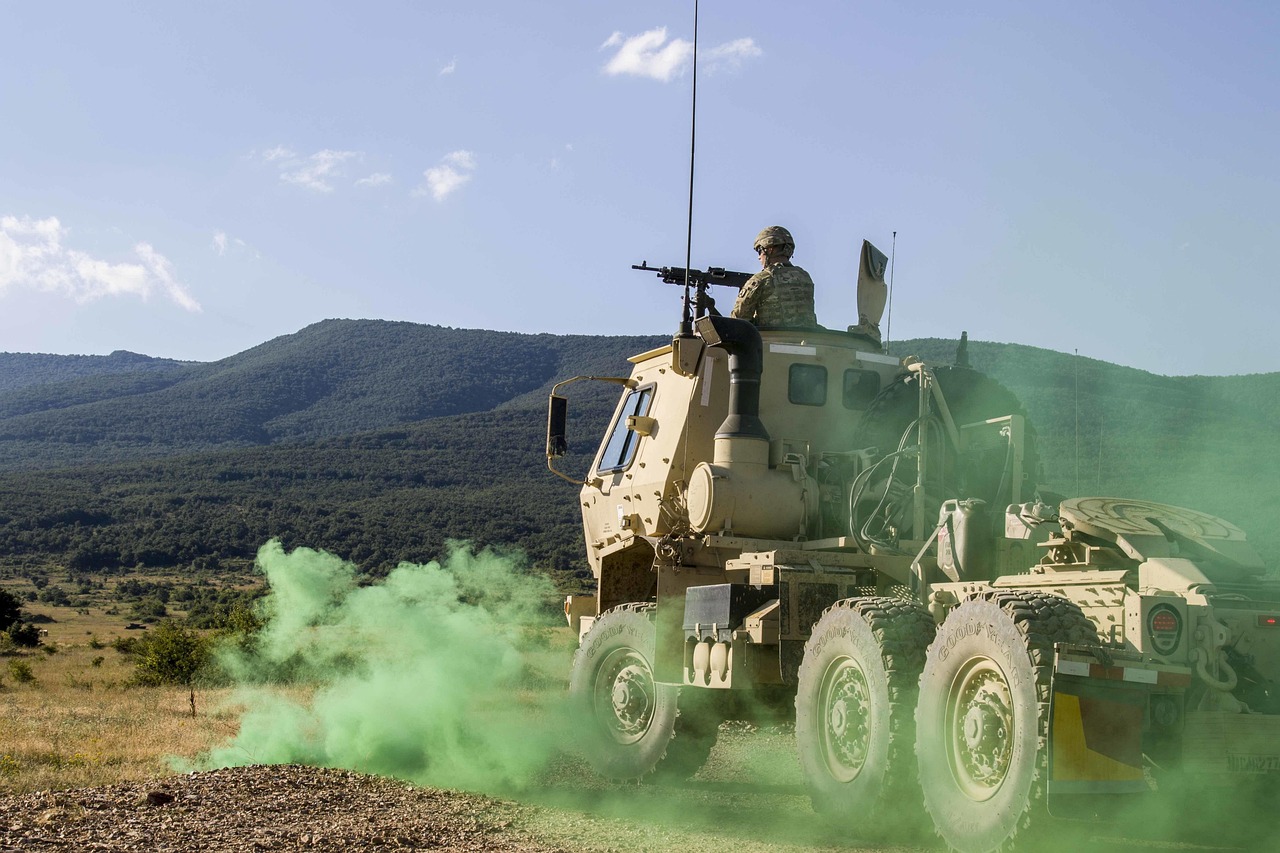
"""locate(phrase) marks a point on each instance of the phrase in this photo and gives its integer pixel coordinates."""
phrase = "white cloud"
(442, 181)
(279, 153)
(461, 159)
(649, 54)
(732, 54)
(32, 255)
(314, 172)
(454, 171)
(555, 161)
(377, 179)
(162, 273)
(222, 242)
(449, 69)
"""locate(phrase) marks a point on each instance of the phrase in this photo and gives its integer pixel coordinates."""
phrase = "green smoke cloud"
(424, 676)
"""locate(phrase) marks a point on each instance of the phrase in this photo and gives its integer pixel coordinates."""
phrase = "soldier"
(781, 294)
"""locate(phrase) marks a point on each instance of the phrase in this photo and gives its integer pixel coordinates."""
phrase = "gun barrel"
(712, 275)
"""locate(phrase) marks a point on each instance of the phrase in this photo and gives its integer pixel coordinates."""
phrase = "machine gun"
(697, 278)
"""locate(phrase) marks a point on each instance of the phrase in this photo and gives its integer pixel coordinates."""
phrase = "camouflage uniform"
(780, 295)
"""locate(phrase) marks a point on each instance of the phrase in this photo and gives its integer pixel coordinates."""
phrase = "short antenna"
(1076, 370)
(888, 322)
(686, 320)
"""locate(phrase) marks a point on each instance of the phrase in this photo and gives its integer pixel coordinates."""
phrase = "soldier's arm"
(748, 303)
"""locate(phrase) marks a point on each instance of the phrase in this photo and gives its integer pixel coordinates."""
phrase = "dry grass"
(80, 723)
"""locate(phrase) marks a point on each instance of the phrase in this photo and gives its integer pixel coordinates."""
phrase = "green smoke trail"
(423, 676)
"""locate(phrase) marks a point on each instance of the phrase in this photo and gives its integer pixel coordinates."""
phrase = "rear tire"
(855, 694)
(982, 718)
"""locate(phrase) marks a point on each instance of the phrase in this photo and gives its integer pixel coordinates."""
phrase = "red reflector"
(1268, 621)
(1164, 620)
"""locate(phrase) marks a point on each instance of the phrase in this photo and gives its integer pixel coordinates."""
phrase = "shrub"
(25, 634)
(55, 595)
(172, 654)
(21, 671)
(150, 610)
(10, 609)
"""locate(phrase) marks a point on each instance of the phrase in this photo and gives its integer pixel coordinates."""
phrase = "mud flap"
(1095, 744)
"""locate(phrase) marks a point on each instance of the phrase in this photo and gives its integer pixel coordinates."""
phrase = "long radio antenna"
(686, 321)
(888, 323)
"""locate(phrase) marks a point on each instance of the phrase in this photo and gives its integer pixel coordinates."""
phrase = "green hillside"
(332, 378)
(20, 370)
(380, 441)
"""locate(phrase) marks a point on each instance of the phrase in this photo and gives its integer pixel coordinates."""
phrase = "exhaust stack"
(737, 492)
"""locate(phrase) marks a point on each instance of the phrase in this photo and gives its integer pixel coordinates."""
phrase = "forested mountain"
(20, 369)
(381, 440)
(332, 378)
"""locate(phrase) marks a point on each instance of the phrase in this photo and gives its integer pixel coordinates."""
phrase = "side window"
(807, 385)
(860, 388)
(620, 449)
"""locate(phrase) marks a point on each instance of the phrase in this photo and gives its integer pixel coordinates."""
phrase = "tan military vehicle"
(791, 517)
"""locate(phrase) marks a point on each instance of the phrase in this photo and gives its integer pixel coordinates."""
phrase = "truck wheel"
(856, 689)
(982, 718)
(629, 720)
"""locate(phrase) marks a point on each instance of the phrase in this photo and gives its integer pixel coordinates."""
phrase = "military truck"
(794, 519)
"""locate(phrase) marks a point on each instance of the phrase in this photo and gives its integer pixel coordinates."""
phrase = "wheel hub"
(983, 727)
(980, 724)
(845, 730)
(838, 719)
(631, 697)
(626, 696)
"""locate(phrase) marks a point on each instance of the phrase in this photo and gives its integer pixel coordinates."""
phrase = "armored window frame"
(860, 388)
(620, 449)
(807, 384)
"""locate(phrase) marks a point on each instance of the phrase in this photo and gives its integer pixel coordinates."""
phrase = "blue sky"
(189, 180)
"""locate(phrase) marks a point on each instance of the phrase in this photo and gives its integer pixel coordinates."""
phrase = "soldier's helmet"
(775, 235)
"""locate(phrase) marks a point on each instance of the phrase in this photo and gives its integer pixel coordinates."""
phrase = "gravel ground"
(284, 807)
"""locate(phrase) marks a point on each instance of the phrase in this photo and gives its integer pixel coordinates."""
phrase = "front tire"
(982, 717)
(855, 693)
(631, 724)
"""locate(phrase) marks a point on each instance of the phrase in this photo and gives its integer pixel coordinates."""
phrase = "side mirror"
(557, 416)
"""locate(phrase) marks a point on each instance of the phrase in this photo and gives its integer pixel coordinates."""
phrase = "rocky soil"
(261, 808)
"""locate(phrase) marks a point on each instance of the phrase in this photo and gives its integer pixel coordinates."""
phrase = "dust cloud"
(424, 676)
